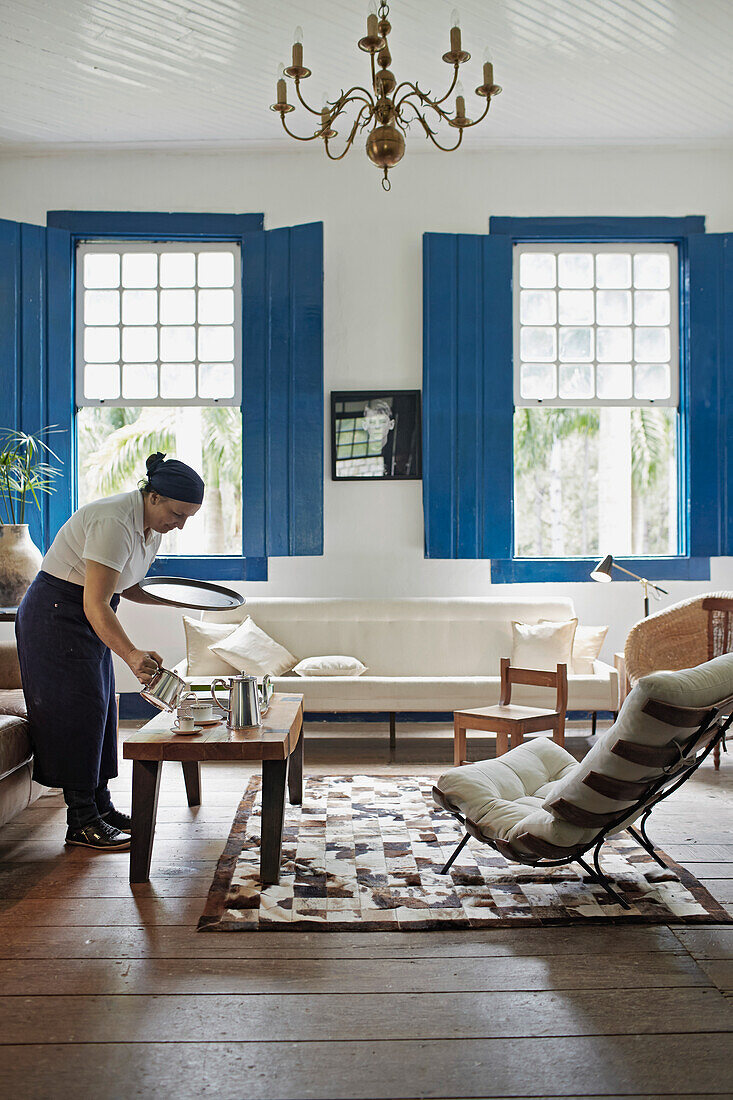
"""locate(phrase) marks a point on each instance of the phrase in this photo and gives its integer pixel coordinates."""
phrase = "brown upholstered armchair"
(17, 789)
(682, 636)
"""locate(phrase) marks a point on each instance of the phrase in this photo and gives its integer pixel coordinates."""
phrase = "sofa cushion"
(703, 686)
(250, 649)
(587, 646)
(432, 636)
(15, 746)
(200, 661)
(13, 702)
(543, 645)
(334, 665)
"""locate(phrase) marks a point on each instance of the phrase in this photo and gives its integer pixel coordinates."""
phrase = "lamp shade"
(602, 571)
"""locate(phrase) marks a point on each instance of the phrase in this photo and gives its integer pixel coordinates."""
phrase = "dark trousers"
(82, 807)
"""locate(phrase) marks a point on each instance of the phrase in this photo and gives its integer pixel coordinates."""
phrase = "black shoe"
(98, 834)
(121, 822)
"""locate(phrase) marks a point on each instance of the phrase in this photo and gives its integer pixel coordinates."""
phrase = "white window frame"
(557, 247)
(85, 247)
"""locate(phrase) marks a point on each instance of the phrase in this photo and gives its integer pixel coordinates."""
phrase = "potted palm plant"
(25, 474)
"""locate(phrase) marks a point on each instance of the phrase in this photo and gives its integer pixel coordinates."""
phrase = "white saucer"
(210, 721)
(187, 733)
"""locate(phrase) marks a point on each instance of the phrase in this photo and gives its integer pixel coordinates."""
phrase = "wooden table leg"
(273, 813)
(145, 787)
(295, 772)
(459, 742)
(192, 779)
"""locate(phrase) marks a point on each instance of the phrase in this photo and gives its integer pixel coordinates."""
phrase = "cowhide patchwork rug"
(363, 853)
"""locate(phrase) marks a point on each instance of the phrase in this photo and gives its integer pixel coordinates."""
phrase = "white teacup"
(202, 711)
(184, 723)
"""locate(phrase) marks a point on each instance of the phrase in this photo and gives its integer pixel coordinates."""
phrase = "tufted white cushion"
(504, 796)
(702, 686)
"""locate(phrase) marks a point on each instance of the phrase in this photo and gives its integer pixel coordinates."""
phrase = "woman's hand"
(144, 662)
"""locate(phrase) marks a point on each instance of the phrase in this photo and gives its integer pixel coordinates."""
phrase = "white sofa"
(422, 654)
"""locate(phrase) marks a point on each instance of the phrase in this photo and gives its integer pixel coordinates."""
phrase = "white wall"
(373, 323)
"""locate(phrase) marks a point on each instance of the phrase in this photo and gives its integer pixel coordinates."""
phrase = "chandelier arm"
(481, 117)
(300, 97)
(420, 118)
(425, 101)
(349, 143)
(447, 148)
(453, 84)
(297, 136)
(348, 97)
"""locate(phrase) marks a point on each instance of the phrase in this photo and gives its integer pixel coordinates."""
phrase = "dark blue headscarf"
(174, 479)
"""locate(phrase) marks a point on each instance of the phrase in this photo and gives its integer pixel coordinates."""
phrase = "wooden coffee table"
(278, 743)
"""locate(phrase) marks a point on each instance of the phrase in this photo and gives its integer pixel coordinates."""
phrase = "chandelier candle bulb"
(488, 74)
(372, 26)
(455, 32)
(282, 91)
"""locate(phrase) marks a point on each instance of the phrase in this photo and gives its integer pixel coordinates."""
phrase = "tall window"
(158, 367)
(596, 396)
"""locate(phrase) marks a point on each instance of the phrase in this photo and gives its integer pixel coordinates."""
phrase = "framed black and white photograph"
(375, 434)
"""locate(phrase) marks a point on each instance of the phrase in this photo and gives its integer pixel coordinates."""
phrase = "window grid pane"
(159, 323)
(598, 318)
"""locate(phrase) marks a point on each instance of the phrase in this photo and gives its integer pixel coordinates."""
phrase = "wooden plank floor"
(106, 991)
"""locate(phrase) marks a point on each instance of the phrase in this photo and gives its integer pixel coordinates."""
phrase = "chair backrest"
(513, 675)
(682, 636)
(668, 723)
(720, 624)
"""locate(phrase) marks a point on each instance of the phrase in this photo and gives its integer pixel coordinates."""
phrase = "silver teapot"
(164, 689)
(247, 700)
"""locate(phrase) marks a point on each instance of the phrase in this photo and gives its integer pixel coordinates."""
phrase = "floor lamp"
(602, 572)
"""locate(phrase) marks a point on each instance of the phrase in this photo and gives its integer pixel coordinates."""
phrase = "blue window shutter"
(467, 396)
(710, 440)
(282, 495)
(35, 350)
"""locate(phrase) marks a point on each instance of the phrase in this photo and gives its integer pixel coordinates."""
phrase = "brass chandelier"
(389, 108)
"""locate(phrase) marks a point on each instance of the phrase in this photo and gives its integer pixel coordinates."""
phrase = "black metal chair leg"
(641, 838)
(594, 720)
(457, 852)
(599, 877)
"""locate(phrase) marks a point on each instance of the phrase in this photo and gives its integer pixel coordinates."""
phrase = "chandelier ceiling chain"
(388, 107)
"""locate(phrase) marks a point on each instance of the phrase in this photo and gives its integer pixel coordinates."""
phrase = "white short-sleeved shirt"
(109, 531)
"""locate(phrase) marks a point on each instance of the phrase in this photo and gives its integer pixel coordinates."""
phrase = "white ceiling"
(201, 73)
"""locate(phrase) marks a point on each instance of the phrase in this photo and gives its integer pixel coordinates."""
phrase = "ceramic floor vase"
(20, 560)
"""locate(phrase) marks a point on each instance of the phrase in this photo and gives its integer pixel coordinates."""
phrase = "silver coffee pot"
(164, 689)
(247, 700)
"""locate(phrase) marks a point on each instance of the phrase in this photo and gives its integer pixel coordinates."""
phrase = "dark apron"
(69, 687)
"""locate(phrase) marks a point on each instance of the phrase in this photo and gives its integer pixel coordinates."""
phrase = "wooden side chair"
(681, 636)
(509, 721)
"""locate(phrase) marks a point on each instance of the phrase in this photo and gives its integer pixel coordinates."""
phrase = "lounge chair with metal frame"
(539, 806)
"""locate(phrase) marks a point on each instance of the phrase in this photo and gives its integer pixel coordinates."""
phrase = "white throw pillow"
(586, 648)
(250, 650)
(543, 645)
(200, 661)
(335, 665)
